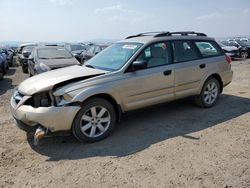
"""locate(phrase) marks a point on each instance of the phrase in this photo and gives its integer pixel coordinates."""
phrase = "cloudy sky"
(79, 20)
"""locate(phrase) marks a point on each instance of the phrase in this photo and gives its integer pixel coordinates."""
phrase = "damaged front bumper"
(53, 118)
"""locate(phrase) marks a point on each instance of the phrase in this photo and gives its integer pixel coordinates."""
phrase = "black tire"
(94, 102)
(244, 54)
(3, 69)
(200, 99)
(7, 67)
(25, 69)
(30, 74)
(11, 62)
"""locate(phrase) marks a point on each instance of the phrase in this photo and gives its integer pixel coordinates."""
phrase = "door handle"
(167, 72)
(202, 66)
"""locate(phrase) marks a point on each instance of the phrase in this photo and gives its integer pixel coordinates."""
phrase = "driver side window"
(155, 55)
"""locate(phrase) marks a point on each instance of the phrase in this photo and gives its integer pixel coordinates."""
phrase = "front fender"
(83, 94)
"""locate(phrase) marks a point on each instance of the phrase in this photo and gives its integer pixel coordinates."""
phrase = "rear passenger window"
(184, 51)
(209, 49)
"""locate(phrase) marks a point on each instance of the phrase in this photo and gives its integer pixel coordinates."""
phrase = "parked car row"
(236, 48)
(36, 59)
(6, 60)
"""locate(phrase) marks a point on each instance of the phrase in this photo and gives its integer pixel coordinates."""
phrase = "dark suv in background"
(21, 47)
(76, 49)
(243, 47)
(24, 58)
(92, 51)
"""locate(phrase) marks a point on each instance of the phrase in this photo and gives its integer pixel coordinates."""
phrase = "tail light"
(229, 60)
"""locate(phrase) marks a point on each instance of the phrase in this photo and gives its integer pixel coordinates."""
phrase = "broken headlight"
(63, 99)
(40, 100)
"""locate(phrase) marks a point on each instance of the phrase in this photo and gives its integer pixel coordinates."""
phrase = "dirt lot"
(171, 145)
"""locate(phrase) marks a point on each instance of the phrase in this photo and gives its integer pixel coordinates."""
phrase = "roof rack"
(167, 33)
(186, 33)
(144, 34)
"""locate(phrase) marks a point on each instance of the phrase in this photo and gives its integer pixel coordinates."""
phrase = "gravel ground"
(171, 145)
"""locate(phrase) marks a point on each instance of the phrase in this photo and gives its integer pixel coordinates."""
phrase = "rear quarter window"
(209, 48)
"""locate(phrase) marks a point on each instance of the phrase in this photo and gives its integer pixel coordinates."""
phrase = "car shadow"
(10, 72)
(5, 85)
(139, 130)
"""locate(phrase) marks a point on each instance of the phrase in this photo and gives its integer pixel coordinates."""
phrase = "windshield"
(77, 47)
(103, 47)
(28, 49)
(114, 57)
(53, 53)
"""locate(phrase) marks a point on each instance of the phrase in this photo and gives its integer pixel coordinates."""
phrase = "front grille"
(234, 51)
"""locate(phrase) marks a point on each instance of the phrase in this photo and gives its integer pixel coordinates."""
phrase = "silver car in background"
(140, 71)
(46, 58)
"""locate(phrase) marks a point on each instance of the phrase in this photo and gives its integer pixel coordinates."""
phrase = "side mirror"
(26, 54)
(137, 65)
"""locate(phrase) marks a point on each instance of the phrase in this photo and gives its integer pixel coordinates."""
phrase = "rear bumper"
(227, 77)
(54, 118)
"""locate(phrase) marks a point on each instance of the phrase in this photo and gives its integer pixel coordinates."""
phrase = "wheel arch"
(217, 77)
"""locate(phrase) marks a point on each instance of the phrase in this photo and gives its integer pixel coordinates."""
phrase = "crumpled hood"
(46, 81)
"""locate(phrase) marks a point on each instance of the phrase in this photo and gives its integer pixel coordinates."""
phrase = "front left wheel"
(95, 121)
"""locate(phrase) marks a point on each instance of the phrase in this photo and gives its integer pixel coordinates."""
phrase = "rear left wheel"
(95, 121)
(209, 93)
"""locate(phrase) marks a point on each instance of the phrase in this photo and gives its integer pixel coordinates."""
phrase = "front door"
(152, 85)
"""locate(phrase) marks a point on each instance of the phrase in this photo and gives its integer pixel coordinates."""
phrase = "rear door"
(189, 68)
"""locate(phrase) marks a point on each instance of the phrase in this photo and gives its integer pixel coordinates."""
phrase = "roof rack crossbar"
(167, 33)
(185, 33)
(144, 34)
(163, 34)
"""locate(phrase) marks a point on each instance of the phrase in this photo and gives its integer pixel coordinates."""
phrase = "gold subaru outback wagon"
(140, 71)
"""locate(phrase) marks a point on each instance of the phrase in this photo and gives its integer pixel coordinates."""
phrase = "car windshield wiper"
(90, 66)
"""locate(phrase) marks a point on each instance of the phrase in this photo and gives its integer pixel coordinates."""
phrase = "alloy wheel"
(95, 121)
(244, 55)
(210, 93)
